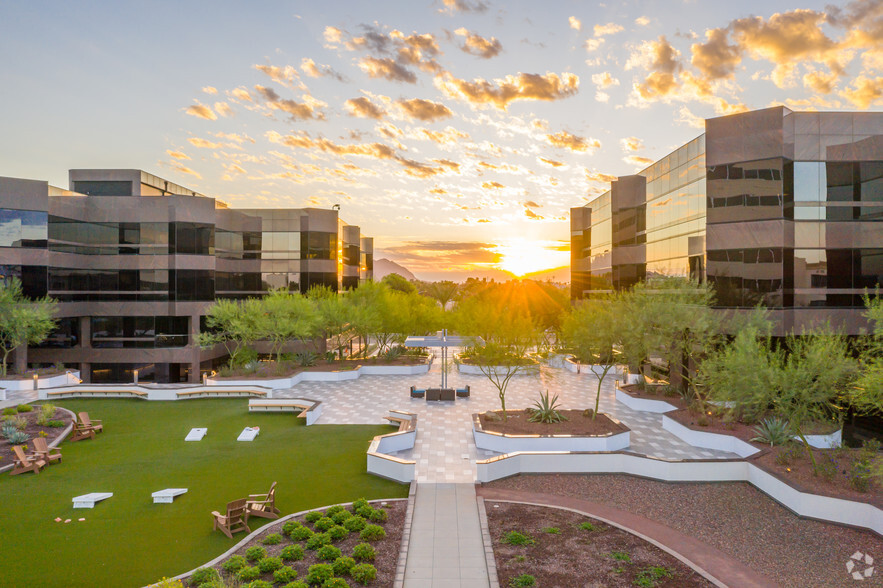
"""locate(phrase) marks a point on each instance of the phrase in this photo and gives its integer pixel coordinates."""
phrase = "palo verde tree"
(22, 321)
(866, 396)
(284, 317)
(234, 324)
(589, 332)
(335, 317)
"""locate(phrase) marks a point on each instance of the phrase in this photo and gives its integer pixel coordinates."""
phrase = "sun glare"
(524, 257)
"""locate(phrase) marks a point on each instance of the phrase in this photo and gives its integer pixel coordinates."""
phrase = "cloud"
(575, 23)
(425, 110)
(332, 35)
(478, 45)
(594, 44)
(820, 82)
(185, 170)
(638, 160)
(685, 116)
(532, 215)
(604, 80)
(210, 90)
(502, 92)
(387, 68)
(363, 107)
(224, 109)
(864, 91)
(642, 21)
(309, 67)
(201, 110)
(551, 162)
(448, 136)
(452, 255)
(241, 94)
(238, 139)
(492, 185)
(205, 143)
(596, 176)
(177, 154)
(298, 110)
(716, 58)
(607, 29)
(566, 140)
(282, 75)
(631, 144)
(454, 6)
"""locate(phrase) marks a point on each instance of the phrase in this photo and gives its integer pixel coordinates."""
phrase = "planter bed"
(326, 371)
(386, 549)
(33, 430)
(635, 398)
(603, 556)
(45, 379)
(529, 368)
(577, 433)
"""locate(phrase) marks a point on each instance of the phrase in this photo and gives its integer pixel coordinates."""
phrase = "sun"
(522, 257)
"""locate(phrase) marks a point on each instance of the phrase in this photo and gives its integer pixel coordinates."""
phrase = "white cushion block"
(89, 500)
(196, 434)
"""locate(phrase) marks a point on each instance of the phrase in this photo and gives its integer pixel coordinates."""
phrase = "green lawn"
(129, 541)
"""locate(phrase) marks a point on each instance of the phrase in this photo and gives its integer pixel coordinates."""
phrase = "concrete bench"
(210, 393)
(307, 409)
(89, 500)
(79, 392)
(168, 495)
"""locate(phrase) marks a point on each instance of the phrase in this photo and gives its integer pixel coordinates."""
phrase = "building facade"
(135, 261)
(772, 207)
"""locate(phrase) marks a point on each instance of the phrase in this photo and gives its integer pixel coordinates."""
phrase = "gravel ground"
(734, 517)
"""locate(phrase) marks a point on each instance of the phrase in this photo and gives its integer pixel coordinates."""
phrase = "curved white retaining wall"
(67, 378)
(150, 393)
(824, 508)
(512, 443)
(584, 368)
(388, 466)
(643, 404)
(825, 441)
(708, 440)
(55, 442)
(336, 376)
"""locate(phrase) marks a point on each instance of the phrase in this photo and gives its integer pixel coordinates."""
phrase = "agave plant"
(774, 431)
(546, 410)
(306, 358)
(18, 437)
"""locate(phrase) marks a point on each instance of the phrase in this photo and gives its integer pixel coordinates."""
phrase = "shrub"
(826, 467)
(343, 565)
(546, 410)
(245, 356)
(336, 583)
(290, 526)
(306, 358)
(786, 456)
(516, 538)
(292, 553)
(364, 511)
(318, 574)
(269, 564)
(17, 422)
(255, 553)
(234, 564)
(337, 533)
(363, 573)
(272, 539)
(620, 556)
(259, 584)
(552, 530)
(204, 576)
(360, 503)
(168, 583)
(650, 577)
(334, 510)
(9, 411)
(372, 533)
(774, 431)
(297, 584)
(323, 524)
(587, 526)
(312, 516)
(18, 437)
(318, 540)
(363, 552)
(301, 534)
(25, 408)
(248, 573)
(55, 424)
(523, 580)
(328, 553)
(354, 523)
(378, 515)
(340, 517)
(284, 575)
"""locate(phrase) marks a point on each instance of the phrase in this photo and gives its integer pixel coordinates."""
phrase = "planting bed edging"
(69, 377)
(531, 369)
(380, 463)
(55, 442)
(708, 440)
(814, 506)
(504, 443)
(256, 532)
(643, 404)
(584, 368)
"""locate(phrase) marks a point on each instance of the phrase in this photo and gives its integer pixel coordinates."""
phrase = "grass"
(129, 541)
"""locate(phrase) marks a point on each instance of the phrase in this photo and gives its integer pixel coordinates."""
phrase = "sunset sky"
(458, 133)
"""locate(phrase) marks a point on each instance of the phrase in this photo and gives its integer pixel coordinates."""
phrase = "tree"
(335, 318)
(234, 324)
(866, 396)
(589, 331)
(397, 282)
(442, 292)
(286, 316)
(22, 321)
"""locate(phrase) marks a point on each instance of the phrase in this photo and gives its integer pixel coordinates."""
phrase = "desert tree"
(22, 321)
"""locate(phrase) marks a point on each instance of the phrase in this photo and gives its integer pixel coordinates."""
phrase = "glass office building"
(772, 207)
(135, 260)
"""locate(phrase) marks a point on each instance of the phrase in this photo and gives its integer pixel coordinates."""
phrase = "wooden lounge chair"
(92, 424)
(263, 505)
(85, 428)
(42, 451)
(235, 519)
(25, 463)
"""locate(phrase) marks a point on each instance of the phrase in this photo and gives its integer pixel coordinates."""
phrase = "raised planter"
(331, 376)
(642, 404)
(506, 443)
(380, 463)
(145, 392)
(69, 377)
(530, 369)
(576, 367)
(708, 440)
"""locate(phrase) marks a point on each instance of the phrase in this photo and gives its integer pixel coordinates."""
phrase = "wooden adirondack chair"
(85, 428)
(25, 463)
(263, 505)
(234, 521)
(42, 451)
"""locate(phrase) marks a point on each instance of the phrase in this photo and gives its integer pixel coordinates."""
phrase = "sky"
(457, 133)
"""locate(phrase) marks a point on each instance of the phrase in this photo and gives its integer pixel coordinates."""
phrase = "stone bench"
(212, 393)
(307, 409)
(168, 495)
(89, 500)
(80, 392)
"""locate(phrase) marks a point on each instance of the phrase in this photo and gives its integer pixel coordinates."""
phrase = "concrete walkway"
(446, 548)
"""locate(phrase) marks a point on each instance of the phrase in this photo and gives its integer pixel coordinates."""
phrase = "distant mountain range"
(383, 267)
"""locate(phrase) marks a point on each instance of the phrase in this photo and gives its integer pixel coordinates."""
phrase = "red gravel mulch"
(33, 430)
(577, 423)
(564, 554)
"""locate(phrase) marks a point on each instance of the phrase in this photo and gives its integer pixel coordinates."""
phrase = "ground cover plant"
(580, 552)
(351, 558)
(19, 426)
(129, 541)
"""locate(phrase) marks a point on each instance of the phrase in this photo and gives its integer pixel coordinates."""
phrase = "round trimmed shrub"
(363, 552)
(284, 575)
(292, 553)
(255, 553)
(334, 510)
(297, 584)
(248, 573)
(378, 515)
(204, 576)
(360, 503)
(363, 573)
(335, 583)
(234, 564)
(290, 526)
(313, 516)
(328, 553)
(337, 533)
(364, 511)
(269, 564)
(318, 540)
(340, 517)
(371, 533)
(301, 534)
(354, 524)
(343, 565)
(259, 584)
(272, 539)
(25, 408)
(318, 574)
(323, 524)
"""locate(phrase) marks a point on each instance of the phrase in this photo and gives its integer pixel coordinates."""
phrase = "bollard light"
(36, 384)
(204, 378)
(135, 372)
